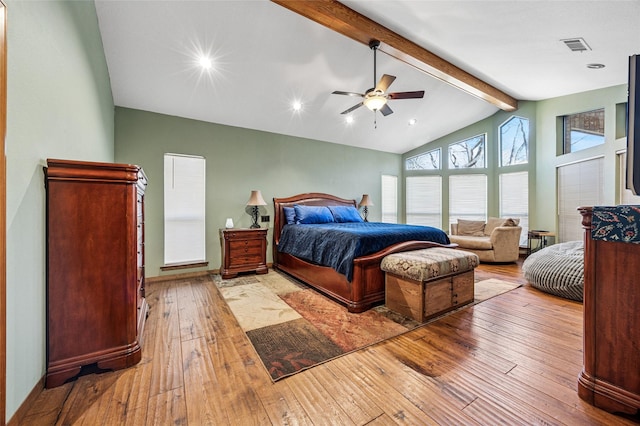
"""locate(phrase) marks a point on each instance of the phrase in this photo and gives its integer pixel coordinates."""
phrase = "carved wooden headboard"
(308, 199)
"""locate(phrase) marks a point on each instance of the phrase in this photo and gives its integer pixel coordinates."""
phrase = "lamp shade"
(256, 199)
(366, 201)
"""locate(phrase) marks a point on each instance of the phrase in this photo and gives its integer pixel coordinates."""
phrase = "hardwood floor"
(513, 359)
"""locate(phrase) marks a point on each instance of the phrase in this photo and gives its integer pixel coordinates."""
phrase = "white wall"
(59, 105)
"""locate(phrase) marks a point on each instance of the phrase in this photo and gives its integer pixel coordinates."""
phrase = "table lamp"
(365, 202)
(255, 200)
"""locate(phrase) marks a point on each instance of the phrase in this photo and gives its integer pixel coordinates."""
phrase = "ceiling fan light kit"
(376, 99)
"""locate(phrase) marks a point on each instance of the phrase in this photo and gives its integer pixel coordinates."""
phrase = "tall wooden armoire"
(610, 378)
(96, 305)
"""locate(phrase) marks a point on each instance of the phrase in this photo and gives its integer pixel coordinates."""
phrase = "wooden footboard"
(367, 286)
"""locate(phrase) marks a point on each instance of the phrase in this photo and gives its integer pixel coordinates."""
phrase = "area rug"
(292, 327)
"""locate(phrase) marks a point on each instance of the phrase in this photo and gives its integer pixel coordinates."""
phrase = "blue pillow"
(290, 215)
(345, 214)
(312, 214)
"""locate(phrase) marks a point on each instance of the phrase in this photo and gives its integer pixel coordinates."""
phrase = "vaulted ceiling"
(471, 58)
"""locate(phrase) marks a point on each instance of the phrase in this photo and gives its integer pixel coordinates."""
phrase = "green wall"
(543, 207)
(238, 161)
(59, 106)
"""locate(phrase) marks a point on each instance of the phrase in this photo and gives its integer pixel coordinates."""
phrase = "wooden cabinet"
(96, 305)
(610, 378)
(243, 250)
(422, 300)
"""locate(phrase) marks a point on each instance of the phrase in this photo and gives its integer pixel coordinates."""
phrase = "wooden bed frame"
(367, 286)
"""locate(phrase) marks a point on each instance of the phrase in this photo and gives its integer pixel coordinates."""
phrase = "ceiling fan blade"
(385, 82)
(338, 92)
(356, 106)
(406, 95)
(385, 110)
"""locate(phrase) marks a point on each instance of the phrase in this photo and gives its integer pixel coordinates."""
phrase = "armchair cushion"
(468, 242)
(494, 222)
(471, 227)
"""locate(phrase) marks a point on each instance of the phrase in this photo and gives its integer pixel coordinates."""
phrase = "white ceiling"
(266, 56)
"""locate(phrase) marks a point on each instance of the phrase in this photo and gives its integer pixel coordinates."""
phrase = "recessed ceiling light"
(412, 122)
(595, 66)
(348, 119)
(205, 62)
(296, 105)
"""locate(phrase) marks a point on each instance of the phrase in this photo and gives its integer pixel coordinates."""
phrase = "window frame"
(501, 140)
(184, 222)
(432, 209)
(388, 215)
(582, 190)
(483, 140)
(515, 194)
(424, 154)
(480, 214)
(567, 144)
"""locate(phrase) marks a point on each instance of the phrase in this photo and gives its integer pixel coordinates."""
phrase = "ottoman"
(557, 270)
(422, 284)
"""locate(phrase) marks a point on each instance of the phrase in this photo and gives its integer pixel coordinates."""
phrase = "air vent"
(576, 44)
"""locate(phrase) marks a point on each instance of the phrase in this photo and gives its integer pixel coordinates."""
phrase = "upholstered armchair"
(497, 240)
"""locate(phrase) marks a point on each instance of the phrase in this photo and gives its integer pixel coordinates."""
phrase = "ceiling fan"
(376, 98)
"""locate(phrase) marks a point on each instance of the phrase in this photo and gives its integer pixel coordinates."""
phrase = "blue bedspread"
(337, 244)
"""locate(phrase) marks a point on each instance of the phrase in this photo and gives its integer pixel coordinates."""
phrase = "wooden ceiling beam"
(338, 17)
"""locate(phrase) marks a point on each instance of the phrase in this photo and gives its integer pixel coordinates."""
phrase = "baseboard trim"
(162, 278)
(27, 404)
(175, 266)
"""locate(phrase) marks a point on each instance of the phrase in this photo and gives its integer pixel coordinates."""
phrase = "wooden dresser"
(610, 378)
(96, 307)
(243, 250)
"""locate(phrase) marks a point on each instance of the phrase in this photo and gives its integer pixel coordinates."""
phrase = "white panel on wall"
(424, 200)
(579, 184)
(389, 193)
(467, 197)
(184, 209)
(514, 200)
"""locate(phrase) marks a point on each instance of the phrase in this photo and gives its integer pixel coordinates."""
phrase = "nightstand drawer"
(245, 260)
(238, 247)
(255, 252)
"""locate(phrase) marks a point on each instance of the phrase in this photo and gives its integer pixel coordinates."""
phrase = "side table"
(243, 250)
(541, 237)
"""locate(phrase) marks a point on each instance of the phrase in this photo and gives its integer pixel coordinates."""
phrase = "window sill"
(175, 266)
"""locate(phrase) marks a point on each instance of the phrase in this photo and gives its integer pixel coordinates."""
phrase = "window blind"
(389, 193)
(424, 200)
(625, 196)
(184, 209)
(579, 184)
(514, 200)
(467, 197)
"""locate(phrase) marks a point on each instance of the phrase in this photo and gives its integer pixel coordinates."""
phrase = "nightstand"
(243, 250)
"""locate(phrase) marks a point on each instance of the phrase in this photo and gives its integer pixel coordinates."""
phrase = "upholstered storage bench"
(422, 284)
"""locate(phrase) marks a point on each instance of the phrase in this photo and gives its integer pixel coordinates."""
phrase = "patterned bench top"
(426, 264)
